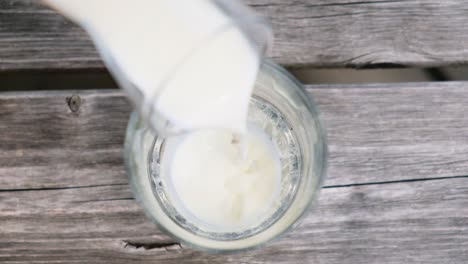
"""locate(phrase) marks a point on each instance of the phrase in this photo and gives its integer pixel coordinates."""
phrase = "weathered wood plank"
(46, 145)
(376, 133)
(417, 222)
(319, 33)
(379, 133)
(64, 196)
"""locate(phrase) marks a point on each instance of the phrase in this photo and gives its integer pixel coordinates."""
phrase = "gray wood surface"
(320, 33)
(396, 192)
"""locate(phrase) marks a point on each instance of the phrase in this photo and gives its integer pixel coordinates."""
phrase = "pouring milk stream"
(187, 62)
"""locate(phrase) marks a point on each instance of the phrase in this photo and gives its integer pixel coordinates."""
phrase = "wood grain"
(319, 33)
(417, 222)
(376, 133)
(380, 133)
(396, 192)
(47, 145)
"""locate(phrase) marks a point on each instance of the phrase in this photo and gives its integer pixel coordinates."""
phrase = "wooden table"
(397, 186)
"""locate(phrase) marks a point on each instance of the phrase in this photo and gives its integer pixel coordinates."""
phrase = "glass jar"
(287, 114)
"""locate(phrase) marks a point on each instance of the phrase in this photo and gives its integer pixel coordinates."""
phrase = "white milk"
(186, 53)
(215, 184)
(197, 69)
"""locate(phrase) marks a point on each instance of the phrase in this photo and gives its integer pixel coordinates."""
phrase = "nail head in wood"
(74, 102)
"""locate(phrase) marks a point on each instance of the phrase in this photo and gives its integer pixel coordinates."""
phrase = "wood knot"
(74, 103)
